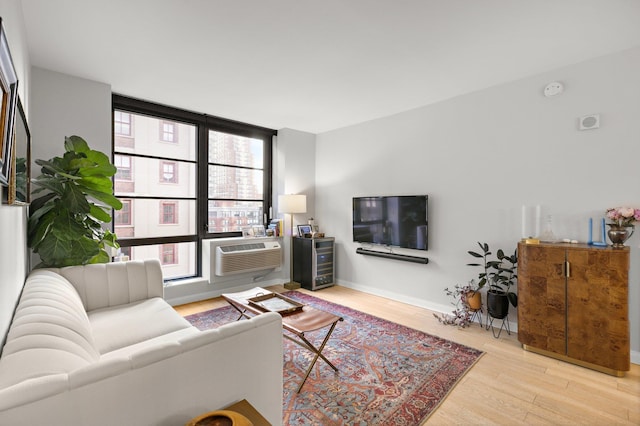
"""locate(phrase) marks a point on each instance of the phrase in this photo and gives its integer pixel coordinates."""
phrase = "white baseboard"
(414, 301)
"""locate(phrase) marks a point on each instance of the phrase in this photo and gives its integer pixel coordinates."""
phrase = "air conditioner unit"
(247, 257)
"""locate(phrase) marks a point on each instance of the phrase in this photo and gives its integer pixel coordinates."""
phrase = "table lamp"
(291, 204)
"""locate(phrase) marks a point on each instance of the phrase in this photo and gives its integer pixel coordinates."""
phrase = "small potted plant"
(501, 276)
(466, 301)
(504, 278)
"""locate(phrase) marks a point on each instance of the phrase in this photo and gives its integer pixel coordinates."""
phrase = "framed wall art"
(9, 89)
(20, 176)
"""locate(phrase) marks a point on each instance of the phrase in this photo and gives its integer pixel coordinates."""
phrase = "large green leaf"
(76, 144)
(84, 249)
(39, 203)
(99, 213)
(97, 183)
(100, 159)
(75, 201)
(105, 198)
(38, 230)
(101, 257)
(81, 163)
(105, 170)
(52, 184)
(56, 168)
(53, 250)
(110, 239)
(65, 227)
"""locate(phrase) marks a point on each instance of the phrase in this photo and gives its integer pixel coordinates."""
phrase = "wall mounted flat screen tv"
(399, 221)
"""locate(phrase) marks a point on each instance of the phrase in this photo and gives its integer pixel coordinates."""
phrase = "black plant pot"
(497, 304)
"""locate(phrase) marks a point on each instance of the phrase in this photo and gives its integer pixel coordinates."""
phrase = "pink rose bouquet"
(623, 216)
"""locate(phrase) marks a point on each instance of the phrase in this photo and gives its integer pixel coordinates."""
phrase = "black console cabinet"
(313, 262)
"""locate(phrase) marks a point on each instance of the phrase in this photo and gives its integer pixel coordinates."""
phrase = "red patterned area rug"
(388, 374)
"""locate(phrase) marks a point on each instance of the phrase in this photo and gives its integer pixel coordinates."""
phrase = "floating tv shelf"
(405, 257)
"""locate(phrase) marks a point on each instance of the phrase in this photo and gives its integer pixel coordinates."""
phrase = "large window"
(214, 179)
(235, 182)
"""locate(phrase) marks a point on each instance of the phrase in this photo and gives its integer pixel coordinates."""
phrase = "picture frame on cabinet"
(9, 92)
(303, 230)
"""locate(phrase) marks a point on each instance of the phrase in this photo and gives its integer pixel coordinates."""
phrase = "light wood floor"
(508, 386)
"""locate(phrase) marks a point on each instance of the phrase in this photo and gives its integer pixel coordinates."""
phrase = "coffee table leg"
(243, 312)
(318, 353)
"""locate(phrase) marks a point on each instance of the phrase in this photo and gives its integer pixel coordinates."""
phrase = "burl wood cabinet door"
(597, 307)
(542, 297)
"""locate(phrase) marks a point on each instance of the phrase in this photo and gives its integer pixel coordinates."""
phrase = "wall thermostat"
(553, 88)
(588, 122)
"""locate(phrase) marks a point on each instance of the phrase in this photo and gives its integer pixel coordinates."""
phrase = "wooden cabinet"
(573, 304)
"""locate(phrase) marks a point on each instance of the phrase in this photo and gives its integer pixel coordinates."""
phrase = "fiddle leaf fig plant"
(65, 223)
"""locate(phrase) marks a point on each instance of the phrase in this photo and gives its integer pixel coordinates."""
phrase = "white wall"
(294, 173)
(64, 105)
(480, 157)
(13, 219)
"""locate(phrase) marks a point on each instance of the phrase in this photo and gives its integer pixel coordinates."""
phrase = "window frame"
(174, 251)
(173, 133)
(174, 179)
(203, 123)
(129, 168)
(128, 124)
(125, 202)
(163, 204)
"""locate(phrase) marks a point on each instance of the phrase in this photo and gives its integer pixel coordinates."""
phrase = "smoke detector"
(553, 88)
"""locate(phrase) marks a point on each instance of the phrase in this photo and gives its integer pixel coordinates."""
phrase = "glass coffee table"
(297, 319)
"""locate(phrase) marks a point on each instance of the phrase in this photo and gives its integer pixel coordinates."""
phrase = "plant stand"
(476, 313)
(504, 325)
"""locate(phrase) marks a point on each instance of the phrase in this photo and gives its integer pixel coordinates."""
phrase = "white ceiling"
(318, 65)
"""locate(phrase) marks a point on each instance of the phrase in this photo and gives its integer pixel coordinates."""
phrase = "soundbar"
(405, 257)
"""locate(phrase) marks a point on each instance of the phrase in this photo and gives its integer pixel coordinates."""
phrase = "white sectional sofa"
(98, 345)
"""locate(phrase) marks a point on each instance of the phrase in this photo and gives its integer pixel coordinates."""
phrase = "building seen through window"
(169, 178)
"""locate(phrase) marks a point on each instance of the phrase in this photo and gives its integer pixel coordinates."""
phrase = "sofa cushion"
(110, 284)
(119, 326)
(50, 332)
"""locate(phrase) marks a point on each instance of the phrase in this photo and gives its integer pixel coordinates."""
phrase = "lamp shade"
(292, 203)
